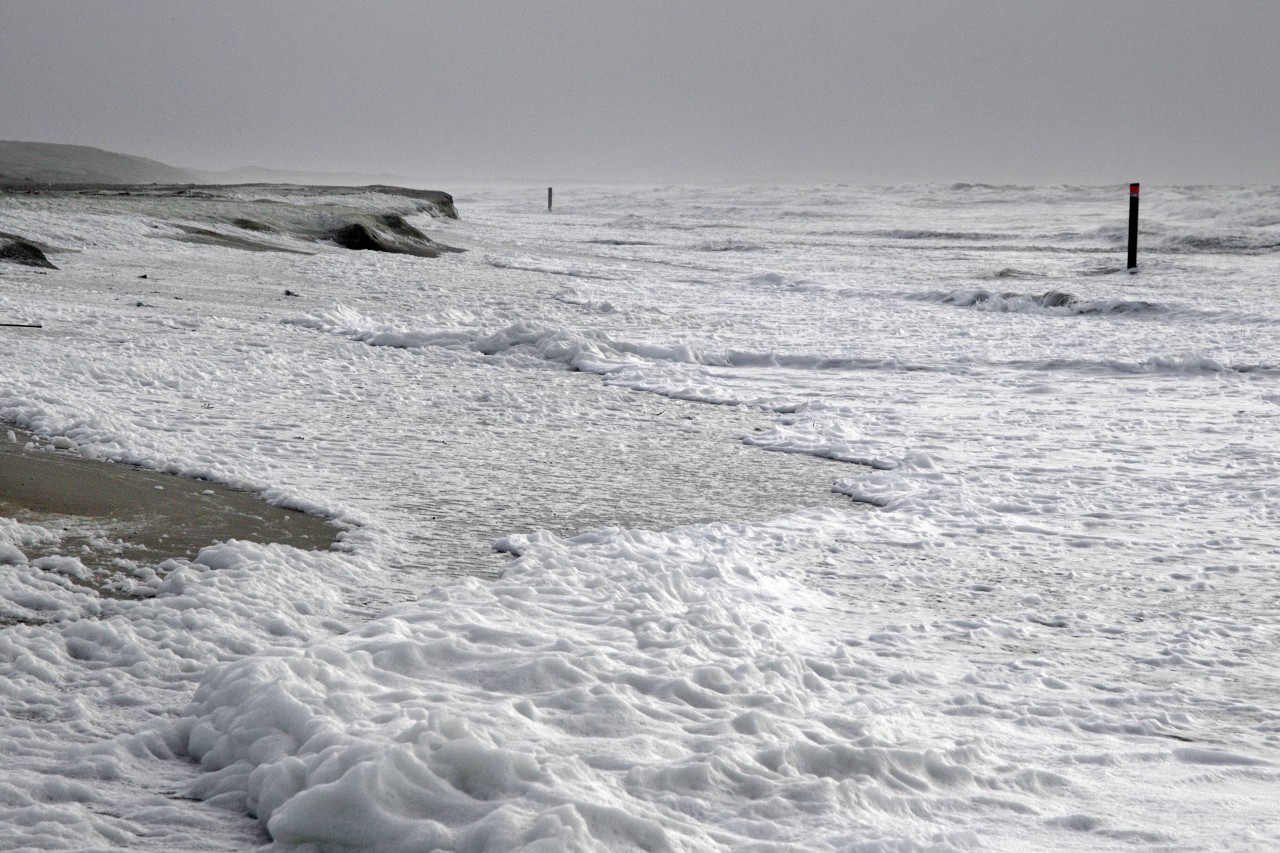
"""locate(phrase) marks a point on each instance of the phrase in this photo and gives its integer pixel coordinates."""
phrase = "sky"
(997, 91)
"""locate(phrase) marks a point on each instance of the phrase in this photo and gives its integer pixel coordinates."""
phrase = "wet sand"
(105, 511)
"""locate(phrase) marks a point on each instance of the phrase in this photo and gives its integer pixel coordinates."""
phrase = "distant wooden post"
(1133, 226)
(548, 199)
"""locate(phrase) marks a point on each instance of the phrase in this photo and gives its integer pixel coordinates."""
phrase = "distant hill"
(49, 163)
(23, 163)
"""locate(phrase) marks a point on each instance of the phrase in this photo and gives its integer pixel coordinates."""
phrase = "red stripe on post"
(1133, 189)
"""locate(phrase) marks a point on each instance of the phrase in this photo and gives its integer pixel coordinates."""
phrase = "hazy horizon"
(857, 93)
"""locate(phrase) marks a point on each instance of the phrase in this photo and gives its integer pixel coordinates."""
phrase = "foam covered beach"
(680, 518)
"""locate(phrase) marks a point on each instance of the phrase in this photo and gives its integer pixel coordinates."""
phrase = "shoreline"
(103, 512)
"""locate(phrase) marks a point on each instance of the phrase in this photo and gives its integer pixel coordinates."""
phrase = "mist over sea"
(674, 518)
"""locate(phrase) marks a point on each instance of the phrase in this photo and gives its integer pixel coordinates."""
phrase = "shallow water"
(106, 513)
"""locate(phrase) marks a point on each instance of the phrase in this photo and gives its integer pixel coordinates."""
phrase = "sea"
(770, 518)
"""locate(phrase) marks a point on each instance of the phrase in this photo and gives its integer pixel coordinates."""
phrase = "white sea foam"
(674, 706)
(1048, 621)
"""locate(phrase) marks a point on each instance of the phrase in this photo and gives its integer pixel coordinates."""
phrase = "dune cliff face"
(47, 163)
(248, 217)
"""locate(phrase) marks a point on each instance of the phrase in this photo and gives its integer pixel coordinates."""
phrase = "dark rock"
(15, 250)
(388, 232)
(359, 237)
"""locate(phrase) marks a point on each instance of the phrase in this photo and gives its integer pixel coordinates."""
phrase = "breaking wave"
(1241, 220)
(620, 242)
(580, 350)
(1190, 364)
(926, 234)
(677, 371)
(1013, 272)
(1053, 301)
(727, 246)
(1239, 242)
(1060, 303)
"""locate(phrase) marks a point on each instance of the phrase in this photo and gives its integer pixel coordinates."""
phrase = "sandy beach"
(107, 511)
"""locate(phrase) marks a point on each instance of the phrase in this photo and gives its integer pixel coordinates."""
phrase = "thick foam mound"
(619, 690)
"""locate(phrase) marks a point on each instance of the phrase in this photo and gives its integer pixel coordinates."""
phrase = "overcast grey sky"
(859, 92)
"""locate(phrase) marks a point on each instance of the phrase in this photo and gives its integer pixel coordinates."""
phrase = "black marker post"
(1133, 227)
(548, 199)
